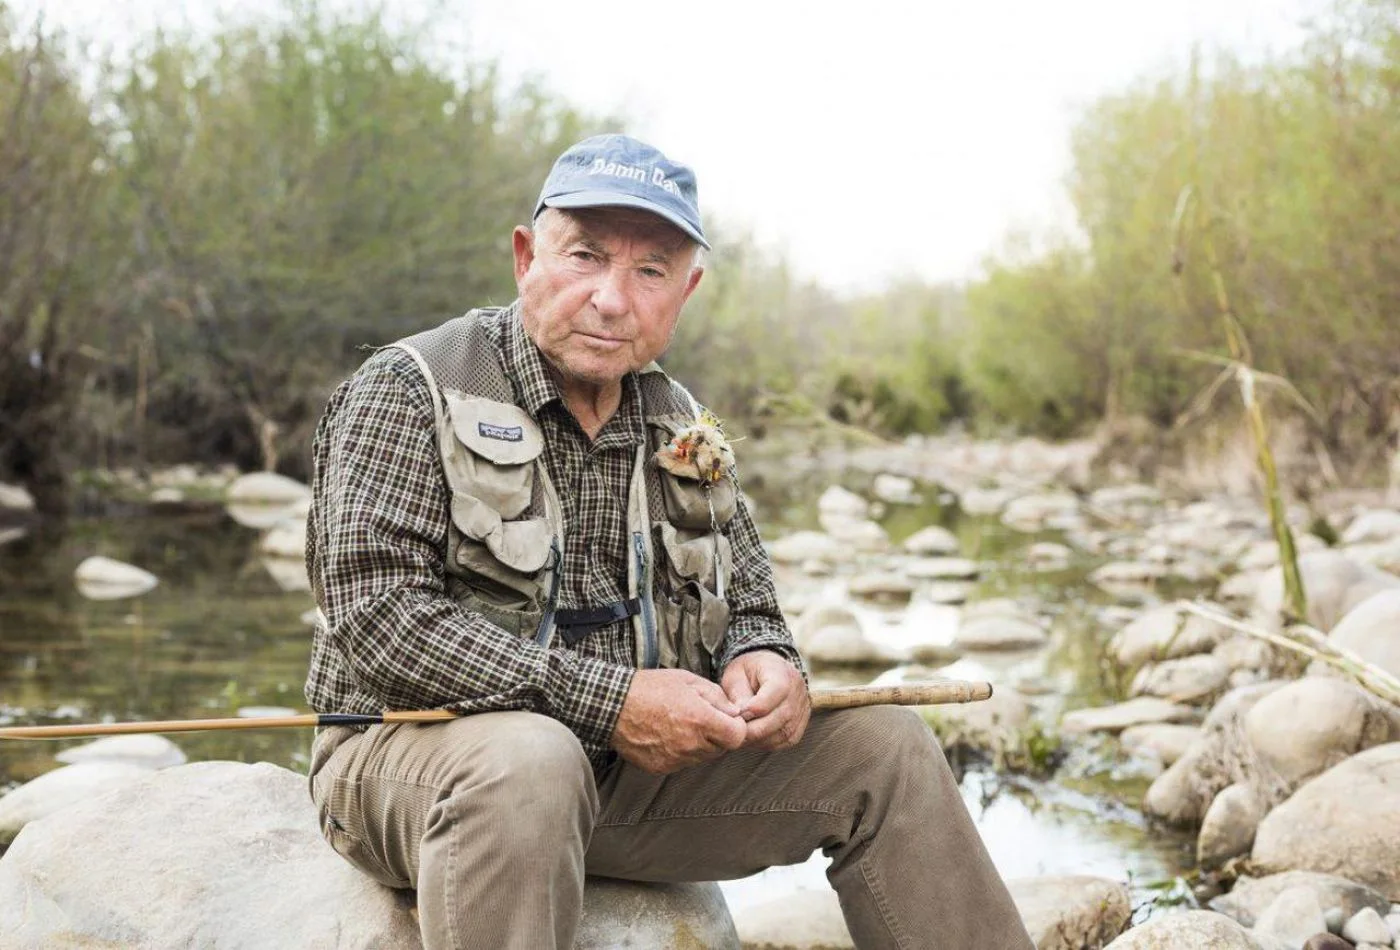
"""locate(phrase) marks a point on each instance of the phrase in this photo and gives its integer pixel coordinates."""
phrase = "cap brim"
(611, 199)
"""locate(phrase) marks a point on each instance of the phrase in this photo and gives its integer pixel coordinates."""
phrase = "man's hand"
(771, 696)
(673, 718)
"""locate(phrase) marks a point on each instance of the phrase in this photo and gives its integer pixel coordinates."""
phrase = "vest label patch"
(501, 433)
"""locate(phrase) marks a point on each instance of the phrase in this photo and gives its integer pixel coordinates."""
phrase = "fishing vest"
(505, 537)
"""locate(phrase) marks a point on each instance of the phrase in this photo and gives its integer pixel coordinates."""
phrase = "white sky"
(865, 140)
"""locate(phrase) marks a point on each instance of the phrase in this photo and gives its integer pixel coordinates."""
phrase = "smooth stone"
(286, 539)
(1227, 830)
(1035, 512)
(1327, 941)
(1334, 584)
(800, 920)
(1070, 912)
(1307, 726)
(933, 540)
(950, 592)
(862, 536)
(882, 586)
(833, 634)
(63, 787)
(802, 546)
(102, 578)
(1163, 633)
(1380, 524)
(1345, 821)
(1263, 555)
(167, 496)
(1117, 574)
(147, 751)
(262, 876)
(1189, 679)
(895, 489)
(1242, 652)
(1164, 741)
(994, 725)
(984, 502)
(1187, 930)
(942, 568)
(288, 573)
(1366, 926)
(1240, 590)
(1371, 630)
(1294, 917)
(266, 488)
(1392, 920)
(1250, 895)
(1048, 556)
(992, 632)
(1119, 716)
(15, 498)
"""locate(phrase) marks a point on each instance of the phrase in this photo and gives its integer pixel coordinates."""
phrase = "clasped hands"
(673, 718)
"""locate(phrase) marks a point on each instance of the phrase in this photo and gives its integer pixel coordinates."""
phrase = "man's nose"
(610, 294)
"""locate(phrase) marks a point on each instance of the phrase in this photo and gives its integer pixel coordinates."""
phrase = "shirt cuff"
(591, 705)
(758, 637)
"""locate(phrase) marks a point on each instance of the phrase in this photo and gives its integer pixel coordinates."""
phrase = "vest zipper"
(650, 659)
(547, 618)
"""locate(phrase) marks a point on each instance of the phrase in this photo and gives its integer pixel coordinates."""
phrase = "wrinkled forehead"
(608, 224)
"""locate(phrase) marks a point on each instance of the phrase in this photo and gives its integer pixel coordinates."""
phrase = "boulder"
(286, 539)
(886, 586)
(1250, 895)
(984, 502)
(1294, 917)
(1367, 926)
(1165, 742)
(1309, 725)
(994, 725)
(1334, 584)
(1048, 556)
(260, 876)
(1263, 555)
(800, 920)
(147, 751)
(933, 540)
(1345, 821)
(1371, 630)
(266, 488)
(942, 568)
(1119, 716)
(1189, 679)
(802, 546)
(1187, 930)
(1241, 652)
(1227, 830)
(1382, 524)
(1071, 912)
(102, 578)
(1032, 513)
(991, 631)
(833, 634)
(1240, 590)
(59, 789)
(855, 533)
(15, 498)
(895, 489)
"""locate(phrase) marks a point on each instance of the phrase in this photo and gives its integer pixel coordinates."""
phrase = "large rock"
(1037, 512)
(933, 540)
(1165, 742)
(995, 725)
(148, 751)
(1371, 630)
(259, 876)
(998, 624)
(1311, 724)
(1165, 632)
(286, 539)
(266, 488)
(895, 489)
(1119, 716)
(1228, 828)
(15, 498)
(1187, 930)
(942, 568)
(1294, 917)
(801, 920)
(834, 634)
(1071, 912)
(60, 788)
(802, 546)
(1333, 582)
(102, 578)
(1250, 895)
(1345, 821)
(843, 503)
(1381, 524)
(1189, 679)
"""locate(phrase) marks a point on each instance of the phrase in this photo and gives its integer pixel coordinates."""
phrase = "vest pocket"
(502, 443)
(687, 502)
(692, 620)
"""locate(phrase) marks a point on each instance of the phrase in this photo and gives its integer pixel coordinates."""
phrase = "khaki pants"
(495, 818)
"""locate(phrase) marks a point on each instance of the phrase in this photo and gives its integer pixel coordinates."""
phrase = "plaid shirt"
(377, 535)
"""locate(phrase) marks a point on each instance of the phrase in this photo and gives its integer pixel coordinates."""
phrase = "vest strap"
(574, 625)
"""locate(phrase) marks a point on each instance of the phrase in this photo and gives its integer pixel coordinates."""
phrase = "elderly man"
(493, 532)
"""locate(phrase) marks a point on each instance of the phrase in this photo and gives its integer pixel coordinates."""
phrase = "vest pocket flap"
(692, 556)
(687, 501)
(520, 545)
(497, 431)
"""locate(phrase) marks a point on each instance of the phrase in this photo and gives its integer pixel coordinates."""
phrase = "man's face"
(601, 289)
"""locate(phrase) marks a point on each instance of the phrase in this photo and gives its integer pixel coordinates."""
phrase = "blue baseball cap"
(617, 171)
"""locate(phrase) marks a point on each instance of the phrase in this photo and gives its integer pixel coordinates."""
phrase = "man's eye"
(653, 272)
(587, 256)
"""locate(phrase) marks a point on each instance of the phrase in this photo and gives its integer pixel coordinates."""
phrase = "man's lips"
(598, 339)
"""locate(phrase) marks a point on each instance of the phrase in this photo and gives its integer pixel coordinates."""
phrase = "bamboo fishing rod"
(928, 693)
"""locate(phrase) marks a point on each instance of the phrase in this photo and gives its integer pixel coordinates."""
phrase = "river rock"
(1250, 895)
(286, 539)
(1327, 941)
(800, 920)
(1309, 725)
(833, 634)
(1345, 821)
(1189, 679)
(1071, 912)
(148, 751)
(1381, 524)
(942, 568)
(15, 498)
(1116, 576)
(1032, 513)
(997, 631)
(885, 586)
(895, 489)
(1367, 926)
(1372, 631)
(994, 725)
(288, 573)
(260, 876)
(1240, 590)
(984, 502)
(59, 789)
(802, 546)
(1262, 555)
(1227, 830)
(1119, 716)
(1241, 652)
(1294, 917)
(855, 533)
(1131, 502)
(266, 488)
(933, 540)
(102, 578)
(1048, 556)
(1165, 742)
(1187, 930)
(950, 592)
(1334, 584)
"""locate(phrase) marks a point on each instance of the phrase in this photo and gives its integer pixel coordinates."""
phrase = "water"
(219, 634)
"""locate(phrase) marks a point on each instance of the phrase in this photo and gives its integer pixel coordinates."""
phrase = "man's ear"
(694, 281)
(523, 244)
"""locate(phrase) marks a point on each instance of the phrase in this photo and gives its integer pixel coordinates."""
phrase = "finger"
(713, 694)
(737, 685)
(772, 691)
